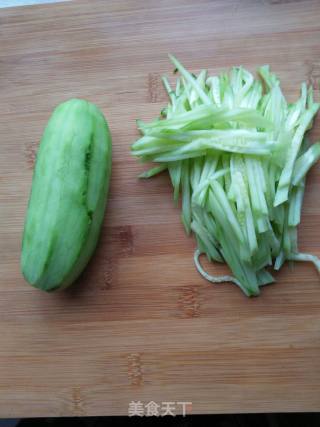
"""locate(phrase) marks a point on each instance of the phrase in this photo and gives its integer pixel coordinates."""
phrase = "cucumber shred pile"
(236, 151)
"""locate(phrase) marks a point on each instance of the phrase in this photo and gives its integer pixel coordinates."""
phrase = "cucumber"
(68, 195)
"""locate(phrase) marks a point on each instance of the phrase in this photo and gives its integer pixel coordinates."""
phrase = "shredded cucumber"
(236, 151)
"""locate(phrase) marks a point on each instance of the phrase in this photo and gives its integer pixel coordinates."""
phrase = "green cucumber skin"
(68, 196)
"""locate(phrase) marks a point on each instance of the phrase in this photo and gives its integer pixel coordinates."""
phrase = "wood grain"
(141, 324)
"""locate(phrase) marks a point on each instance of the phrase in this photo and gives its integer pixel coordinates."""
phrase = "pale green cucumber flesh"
(68, 196)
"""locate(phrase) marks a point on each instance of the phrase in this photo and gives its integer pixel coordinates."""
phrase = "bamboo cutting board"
(141, 324)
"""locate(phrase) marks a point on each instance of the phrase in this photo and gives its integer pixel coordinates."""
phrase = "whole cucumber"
(68, 196)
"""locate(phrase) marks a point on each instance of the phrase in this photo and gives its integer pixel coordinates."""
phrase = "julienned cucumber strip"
(237, 153)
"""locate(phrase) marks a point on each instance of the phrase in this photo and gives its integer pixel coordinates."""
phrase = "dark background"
(243, 420)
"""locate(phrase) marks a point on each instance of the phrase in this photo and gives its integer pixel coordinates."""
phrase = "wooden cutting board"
(141, 324)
